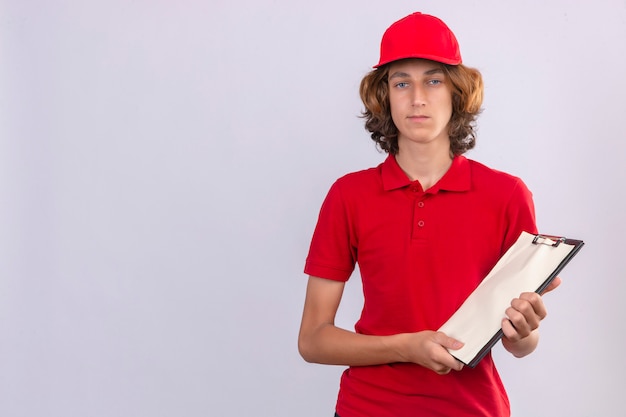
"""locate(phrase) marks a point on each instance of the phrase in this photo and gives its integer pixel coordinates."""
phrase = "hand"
(525, 313)
(523, 316)
(429, 349)
(522, 321)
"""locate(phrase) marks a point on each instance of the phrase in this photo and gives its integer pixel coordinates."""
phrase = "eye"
(402, 85)
(434, 82)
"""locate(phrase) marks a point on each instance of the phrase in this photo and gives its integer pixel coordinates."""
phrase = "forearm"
(522, 347)
(320, 341)
(331, 345)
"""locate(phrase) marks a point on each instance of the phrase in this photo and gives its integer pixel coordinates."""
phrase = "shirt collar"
(457, 178)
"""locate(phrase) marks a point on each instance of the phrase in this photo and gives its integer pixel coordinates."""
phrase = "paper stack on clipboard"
(529, 265)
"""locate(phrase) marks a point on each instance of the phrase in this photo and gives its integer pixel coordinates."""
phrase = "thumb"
(552, 286)
(447, 341)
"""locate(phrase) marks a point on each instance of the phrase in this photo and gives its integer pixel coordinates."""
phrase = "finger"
(509, 331)
(443, 370)
(447, 341)
(458, 366)
(445, 358)
(520, 322)
(552, 286)
(447, 363)
(535, 305)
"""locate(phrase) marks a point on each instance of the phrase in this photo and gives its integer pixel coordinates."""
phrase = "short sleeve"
(332, 254)
(520, 214)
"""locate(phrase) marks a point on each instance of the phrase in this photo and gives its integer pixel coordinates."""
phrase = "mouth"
(418, 118)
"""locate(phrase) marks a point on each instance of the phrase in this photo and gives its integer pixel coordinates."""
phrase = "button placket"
(419, 231)
(420, 214)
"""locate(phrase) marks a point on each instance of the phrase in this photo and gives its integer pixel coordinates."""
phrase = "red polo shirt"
(420, 254)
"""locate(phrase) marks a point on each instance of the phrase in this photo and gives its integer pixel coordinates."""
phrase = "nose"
(419, 96)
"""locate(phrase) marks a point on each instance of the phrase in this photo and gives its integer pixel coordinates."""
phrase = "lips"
(418, 118)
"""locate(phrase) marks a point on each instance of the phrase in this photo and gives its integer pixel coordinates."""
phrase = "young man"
(425, 226)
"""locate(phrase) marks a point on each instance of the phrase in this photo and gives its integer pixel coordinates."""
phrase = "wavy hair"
(467, 98)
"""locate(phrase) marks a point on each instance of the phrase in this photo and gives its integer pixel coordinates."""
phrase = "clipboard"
(531, 264)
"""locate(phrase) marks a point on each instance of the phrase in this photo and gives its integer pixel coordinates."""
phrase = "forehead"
(414, 66)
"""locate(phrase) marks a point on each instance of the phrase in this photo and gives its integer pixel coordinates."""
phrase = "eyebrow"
(400, 74)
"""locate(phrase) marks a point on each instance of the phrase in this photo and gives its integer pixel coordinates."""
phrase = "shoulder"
(362, 176)
(482, 175)
(498, 186)
(354, 189)
(359, 181)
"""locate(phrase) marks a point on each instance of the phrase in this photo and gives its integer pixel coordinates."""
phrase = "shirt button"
(420, 223)
(420, 204)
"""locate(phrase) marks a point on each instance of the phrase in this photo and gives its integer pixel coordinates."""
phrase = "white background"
(162, 165)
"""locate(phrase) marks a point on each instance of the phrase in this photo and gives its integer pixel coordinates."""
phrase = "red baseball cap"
(419, 36)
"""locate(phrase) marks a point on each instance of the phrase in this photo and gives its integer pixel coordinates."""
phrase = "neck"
(425, 164)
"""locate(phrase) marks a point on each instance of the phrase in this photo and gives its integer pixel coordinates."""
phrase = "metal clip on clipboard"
(553, 241)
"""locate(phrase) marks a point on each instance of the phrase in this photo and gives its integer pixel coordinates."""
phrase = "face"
(420, 98)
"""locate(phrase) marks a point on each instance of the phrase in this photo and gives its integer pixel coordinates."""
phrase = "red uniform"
(420, 254)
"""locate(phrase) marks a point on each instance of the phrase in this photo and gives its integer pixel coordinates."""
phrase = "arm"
(321, 341)
(521, 327)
